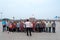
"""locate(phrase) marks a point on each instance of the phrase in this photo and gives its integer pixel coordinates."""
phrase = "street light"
(1, 15)
(13, 17)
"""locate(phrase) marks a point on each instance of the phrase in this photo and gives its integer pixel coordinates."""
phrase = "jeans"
(4, 28)
(28, 31)
(49, 29)
(53, 29)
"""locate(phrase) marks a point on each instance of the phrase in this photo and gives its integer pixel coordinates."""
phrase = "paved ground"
(35, 35)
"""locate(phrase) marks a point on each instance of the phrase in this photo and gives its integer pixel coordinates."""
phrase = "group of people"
(28, 26)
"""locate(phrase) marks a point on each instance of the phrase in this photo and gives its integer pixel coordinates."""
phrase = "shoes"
(30, 35)
(27, 35)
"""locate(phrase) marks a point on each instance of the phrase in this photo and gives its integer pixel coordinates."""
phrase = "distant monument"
(57, 17)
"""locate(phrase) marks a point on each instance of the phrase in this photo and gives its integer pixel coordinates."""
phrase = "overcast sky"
(40, 9)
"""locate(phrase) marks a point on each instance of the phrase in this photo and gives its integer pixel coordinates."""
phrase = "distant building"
(31, 19)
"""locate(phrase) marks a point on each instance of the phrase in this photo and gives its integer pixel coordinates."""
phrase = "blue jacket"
(3, 22)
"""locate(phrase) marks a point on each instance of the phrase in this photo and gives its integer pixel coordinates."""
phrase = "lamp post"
(1, 15)
(13, 18)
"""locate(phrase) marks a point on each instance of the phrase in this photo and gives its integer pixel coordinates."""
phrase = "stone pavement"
(35, 35)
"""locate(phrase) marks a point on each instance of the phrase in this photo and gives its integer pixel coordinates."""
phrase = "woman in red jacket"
(10, 27)
(14, 26)
(21, 25)
(34, 24)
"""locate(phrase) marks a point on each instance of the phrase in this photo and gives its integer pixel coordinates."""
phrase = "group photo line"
(28, 26)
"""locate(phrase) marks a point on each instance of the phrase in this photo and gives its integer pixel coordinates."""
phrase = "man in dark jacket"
(42, 24)
(53, 26)
(37, 26)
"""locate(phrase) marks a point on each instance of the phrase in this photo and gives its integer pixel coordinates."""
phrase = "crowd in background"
(39, 26)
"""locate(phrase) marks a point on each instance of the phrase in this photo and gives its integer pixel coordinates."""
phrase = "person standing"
(29, 27)
(7, 24)
(37, 26)
(10, 27)
(50, 25)
(18, 26)
(21, 26)
(14, 26)
(4, 25)
(34, 24)
(53, 26)
(42, 26)
(47, 26)
(24, 28)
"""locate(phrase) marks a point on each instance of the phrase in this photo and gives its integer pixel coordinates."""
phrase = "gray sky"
(41, 9)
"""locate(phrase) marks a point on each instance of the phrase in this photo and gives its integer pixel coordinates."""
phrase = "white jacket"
(28, 24)
(48, 24)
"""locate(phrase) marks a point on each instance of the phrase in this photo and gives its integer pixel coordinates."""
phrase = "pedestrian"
(14, 26)
(43, 26)
(34, 24)
(7, 24)
(53, 27)
(4, 25)
(21, 26)
(40, 27)
(29, 27)
(37, 26)
(17, 27)
(24, 28)
(10, 27)
(49, 25)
